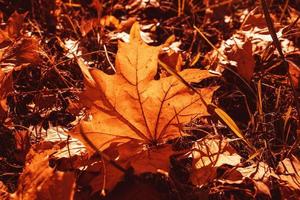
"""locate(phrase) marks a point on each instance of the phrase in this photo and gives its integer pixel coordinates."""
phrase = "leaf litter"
(89, 116)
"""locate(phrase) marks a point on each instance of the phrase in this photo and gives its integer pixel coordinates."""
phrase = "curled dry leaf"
(106, 21)
(39, 181)
(208, 154)
(132, 105)
(259, 174)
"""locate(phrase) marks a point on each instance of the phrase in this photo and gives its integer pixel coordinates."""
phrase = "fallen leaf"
(109, 20)
(131, 154)
(255, 30)
(39, 181)
(172, 59)
(4, 195)
(126, 24)
(27, 50)
(5, 87)
(294, 71)
(72, 153)
(259, 171)
(245, 61)
(208, 154)
(132, 105)
(22, 141)
(288, 171)
(13, 27)
(15, 24)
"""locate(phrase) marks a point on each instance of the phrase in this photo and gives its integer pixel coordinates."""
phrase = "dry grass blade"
(231, 124)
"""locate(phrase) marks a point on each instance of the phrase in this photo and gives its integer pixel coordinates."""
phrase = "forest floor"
(149, 99)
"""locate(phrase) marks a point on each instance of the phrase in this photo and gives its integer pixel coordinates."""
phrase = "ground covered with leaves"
(149, 99)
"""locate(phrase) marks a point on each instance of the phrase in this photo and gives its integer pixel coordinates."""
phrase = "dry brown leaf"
(245, 61)
(132, 105)
(109, 20)
(172, 59)
(98, 6)
(24, 52)
(4, 195)
(131, 154)
(294, 71)
(27, 50)
(289, 177)
(15, 24)
(126, 24)
(72, 153)
(259, 171)
(260, 174)
(5, 87)
(22, 140)
(252, 20)
(208, 154)
(250, 188)
(13, 27)
(86, 26)
(39, 181)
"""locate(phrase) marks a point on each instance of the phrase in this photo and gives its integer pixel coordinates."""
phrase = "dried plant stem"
(285, 63)
(279, 49)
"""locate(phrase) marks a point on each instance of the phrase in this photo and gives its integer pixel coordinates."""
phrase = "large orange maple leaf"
(131, 104)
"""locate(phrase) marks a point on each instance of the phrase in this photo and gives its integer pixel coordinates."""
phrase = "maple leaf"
(132, 105)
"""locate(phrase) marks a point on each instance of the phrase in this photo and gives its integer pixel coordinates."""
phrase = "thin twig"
(107, 57)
